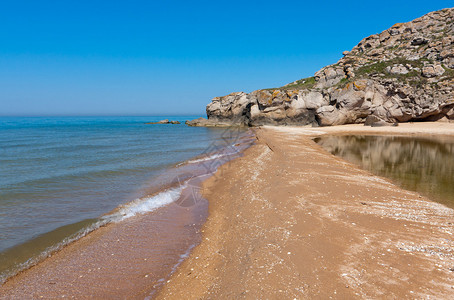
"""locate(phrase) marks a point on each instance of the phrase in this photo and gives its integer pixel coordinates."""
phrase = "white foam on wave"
(138, 206)
(211, 157)
(204, 158)
(147, 204)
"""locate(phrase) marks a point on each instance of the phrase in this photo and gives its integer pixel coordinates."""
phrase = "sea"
(63, 177)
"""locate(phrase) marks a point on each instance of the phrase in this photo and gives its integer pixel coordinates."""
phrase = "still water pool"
(421, 164)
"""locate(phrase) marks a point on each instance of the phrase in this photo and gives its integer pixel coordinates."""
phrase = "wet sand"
(286, 220)
(130, 258)
(122, 260)
(289, 220)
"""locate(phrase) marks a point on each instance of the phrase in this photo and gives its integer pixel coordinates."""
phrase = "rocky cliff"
(405, 73)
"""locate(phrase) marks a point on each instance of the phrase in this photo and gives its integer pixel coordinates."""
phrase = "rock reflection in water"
(422, 164)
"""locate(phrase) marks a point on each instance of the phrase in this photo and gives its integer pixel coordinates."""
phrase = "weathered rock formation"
(165, 121)
(208, 123)
(405, 73)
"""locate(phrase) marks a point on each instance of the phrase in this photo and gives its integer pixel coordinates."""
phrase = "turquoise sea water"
(58, 174)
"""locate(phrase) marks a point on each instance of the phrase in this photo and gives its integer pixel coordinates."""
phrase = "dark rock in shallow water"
(165, 121)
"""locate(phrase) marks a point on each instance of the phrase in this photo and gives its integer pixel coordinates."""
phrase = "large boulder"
(328, 115)
(430, 71)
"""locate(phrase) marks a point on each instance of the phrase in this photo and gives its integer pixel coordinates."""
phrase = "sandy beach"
(290, 221)
(227, 150)
(286, 220)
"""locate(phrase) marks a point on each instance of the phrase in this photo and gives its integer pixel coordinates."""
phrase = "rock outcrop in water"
(405, 73)
(165, 121)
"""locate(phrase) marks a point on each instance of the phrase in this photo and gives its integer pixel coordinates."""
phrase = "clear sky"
(171, 57)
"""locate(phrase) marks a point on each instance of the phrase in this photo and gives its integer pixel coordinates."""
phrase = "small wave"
(146, 204)
(211, 157)
(204, 158)
(138, 206)
(214, 156)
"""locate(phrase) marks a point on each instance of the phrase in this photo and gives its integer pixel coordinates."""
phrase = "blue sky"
(172, 57)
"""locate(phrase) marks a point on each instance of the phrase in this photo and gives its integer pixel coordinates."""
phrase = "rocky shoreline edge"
(403, 74)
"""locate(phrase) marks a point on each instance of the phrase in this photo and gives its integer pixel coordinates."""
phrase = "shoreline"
(146, 247)
(288, 219)
(204, 273)
(135, 255)
(93, 177)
